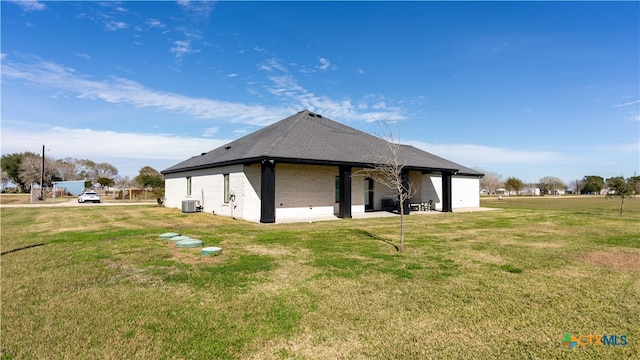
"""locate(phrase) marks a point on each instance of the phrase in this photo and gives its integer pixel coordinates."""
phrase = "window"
(227, 193)
(337, 189)
(188, 185)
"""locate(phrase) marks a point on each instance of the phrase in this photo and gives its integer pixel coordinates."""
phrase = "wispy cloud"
(481, 155)
(153, 23)
(622, 148)
(634, 117)
(127, 151)
(83, 56)
(118, 90)
(293, 97)
(181, 48)
(29, 5)
(114, 25)
(210, 131)
(627, 104)
(273, 64)
(197, 9)
(324, 64)
(284, 85)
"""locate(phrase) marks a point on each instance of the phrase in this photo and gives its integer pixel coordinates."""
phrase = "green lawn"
(97, 282)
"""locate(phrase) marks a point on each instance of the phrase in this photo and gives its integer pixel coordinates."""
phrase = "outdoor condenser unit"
(190, 206)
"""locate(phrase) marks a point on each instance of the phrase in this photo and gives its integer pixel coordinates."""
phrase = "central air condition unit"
(190, 206)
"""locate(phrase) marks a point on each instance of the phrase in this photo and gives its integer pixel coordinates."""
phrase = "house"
(307, 166)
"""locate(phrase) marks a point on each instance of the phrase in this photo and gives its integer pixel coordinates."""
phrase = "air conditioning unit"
(190, 206)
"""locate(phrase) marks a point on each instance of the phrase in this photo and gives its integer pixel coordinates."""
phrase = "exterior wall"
(207, 186)
(432, 190)
(304, 191)
(357, 194)
(249, 197)
(466, 192)
(381, 192)
(415, 180)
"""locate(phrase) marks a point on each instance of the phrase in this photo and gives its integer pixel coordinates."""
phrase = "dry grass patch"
(271, 250)
(616, 260)
(472, 258)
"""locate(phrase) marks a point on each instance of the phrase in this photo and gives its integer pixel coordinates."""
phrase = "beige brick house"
(303, 167)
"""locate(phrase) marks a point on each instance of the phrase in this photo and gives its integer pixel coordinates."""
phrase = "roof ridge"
(287, 131)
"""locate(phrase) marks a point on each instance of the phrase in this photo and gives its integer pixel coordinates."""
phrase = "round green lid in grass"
(189, 243)
(169, 235)
(210, 250)
(179, 238)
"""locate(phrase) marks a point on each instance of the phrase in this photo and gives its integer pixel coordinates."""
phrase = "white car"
(89, 196)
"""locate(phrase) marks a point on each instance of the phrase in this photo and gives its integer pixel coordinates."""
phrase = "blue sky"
(525, 89)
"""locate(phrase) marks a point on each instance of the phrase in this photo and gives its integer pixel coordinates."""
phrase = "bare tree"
(68, 170)
(491, 181)
(389, 171)
(30, 170)
(91, 170)
(550, 184)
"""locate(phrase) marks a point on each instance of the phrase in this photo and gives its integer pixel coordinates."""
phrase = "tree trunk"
(621, 206)
(401, 227)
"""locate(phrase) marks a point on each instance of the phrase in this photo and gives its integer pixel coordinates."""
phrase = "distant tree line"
(589, 184)
(25, 169)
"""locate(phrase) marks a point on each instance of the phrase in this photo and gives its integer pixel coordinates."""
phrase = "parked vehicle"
(89, 196)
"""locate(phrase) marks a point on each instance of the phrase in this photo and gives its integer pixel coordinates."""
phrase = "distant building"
(74, 188)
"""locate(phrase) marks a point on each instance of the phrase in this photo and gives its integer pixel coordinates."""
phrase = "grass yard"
(98, 283)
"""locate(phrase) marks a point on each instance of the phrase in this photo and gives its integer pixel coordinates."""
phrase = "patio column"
(446, 191)
(344, 174)
(268, 191)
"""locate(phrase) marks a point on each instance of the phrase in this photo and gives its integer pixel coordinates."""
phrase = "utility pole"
(42, 177)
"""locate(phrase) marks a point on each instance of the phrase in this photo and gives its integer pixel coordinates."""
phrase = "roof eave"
(282, 160)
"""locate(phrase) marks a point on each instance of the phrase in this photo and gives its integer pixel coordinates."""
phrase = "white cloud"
(197, 9)
(124, 91)
(241, 131)
(211, 131)
(114, 25)
(627, 103)
(480, 155)
(30, 5)
(622, 148)
(83, 56)
(273, 64)
(324, 64)
(67, 82)
(137, 150)
(342, 109)
(153, 23)
(182, 48)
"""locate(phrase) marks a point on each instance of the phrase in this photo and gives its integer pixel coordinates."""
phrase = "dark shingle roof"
(313, 139)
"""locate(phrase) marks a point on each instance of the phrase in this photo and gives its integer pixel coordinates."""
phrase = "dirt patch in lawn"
(625, 261)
